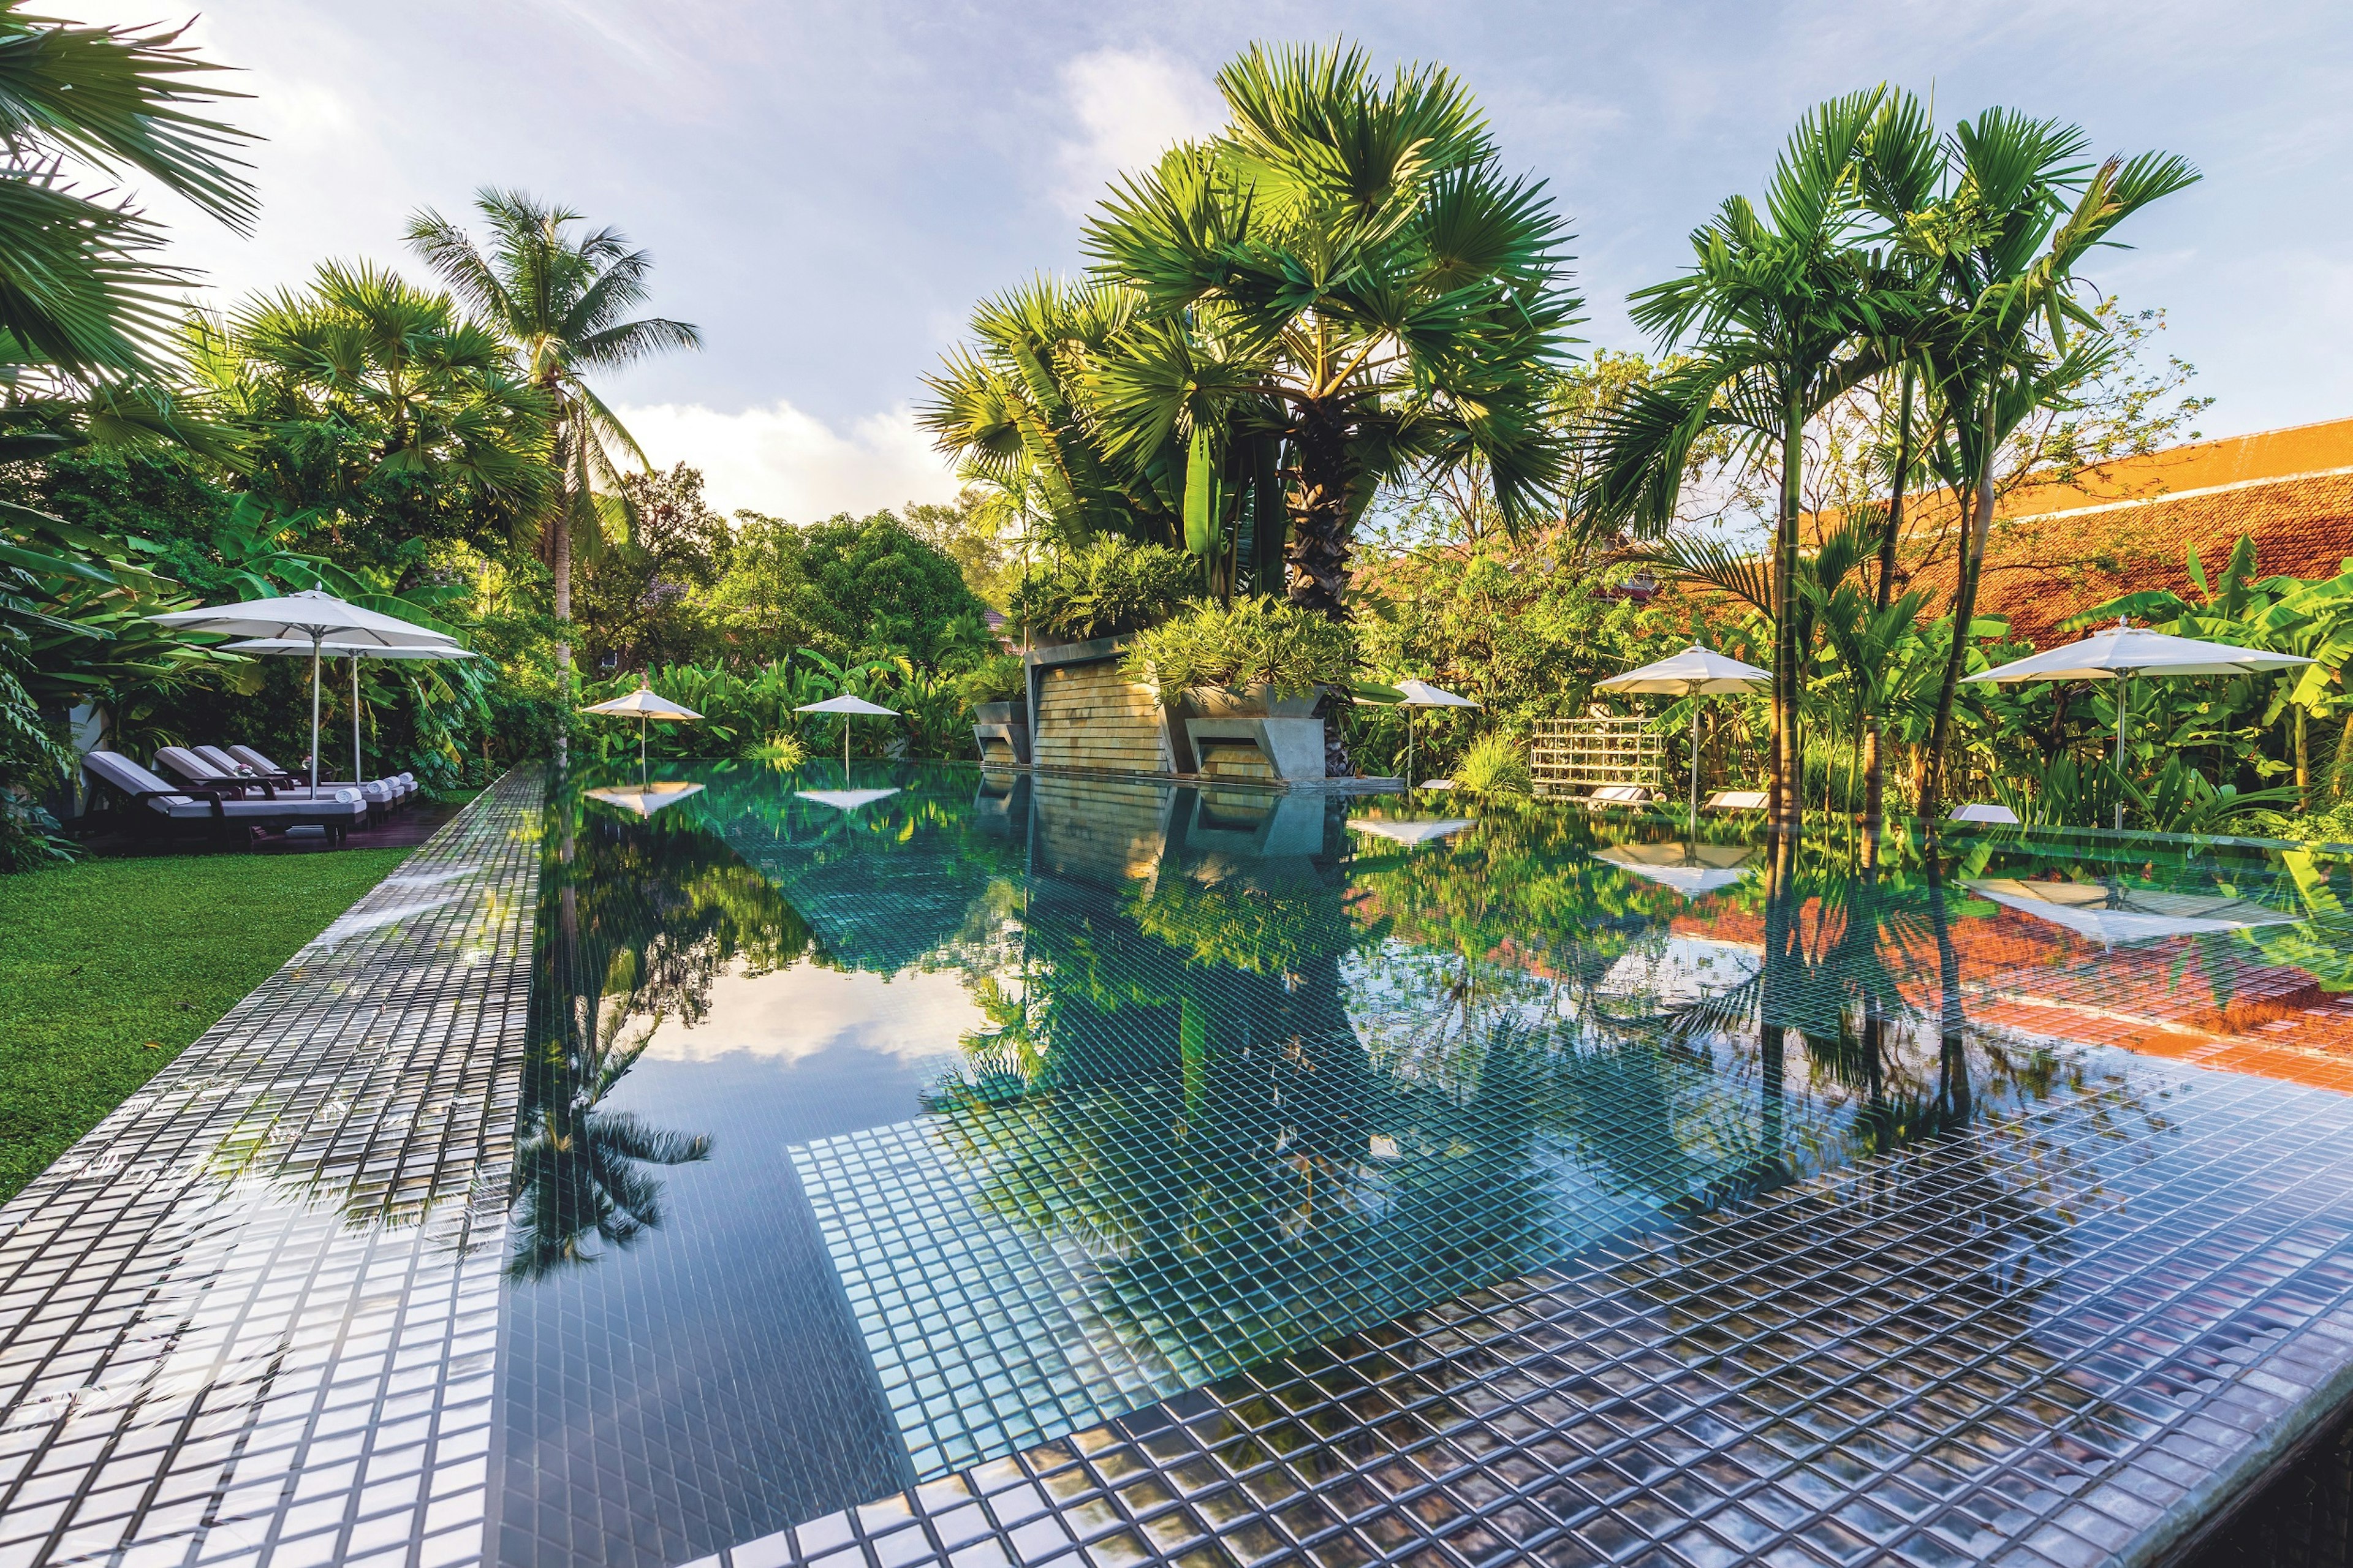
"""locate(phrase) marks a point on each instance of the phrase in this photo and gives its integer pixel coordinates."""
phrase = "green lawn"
(113, 966)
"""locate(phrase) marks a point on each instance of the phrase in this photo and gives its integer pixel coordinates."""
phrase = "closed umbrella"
(1694, 672)
(289, 648)
(847, 705)
(2124, 650)
(1422, 694)
(646, 704)
(312, 616)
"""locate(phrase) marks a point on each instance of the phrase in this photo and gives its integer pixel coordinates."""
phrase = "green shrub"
(1113, 586)
(1493, 765)
(998, 679)
(1252, 642)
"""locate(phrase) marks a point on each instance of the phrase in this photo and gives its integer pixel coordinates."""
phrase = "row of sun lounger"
(1753, 800)
(225, 791)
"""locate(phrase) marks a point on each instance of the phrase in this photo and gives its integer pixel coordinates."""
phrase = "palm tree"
(78, 290)
(1788, 310)
(416, 405)
(1345, 269)
(2020, 211)
(560, 301)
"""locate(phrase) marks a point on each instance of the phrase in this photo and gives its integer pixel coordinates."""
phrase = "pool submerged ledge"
(928, 1165)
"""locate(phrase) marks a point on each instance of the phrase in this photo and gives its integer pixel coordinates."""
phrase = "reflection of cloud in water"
(1681, 969)
(800, 1012)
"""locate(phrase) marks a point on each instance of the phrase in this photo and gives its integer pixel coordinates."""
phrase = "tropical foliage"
(1254, 641)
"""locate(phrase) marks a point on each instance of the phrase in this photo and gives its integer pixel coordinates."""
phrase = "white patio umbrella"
(290, 648)
(1694, 672)
(2122, 651)
(1412, 834)
(314, 617)
(646, 704)
(845, 705)
(847, 799)
(649, 796)
(1422, 694)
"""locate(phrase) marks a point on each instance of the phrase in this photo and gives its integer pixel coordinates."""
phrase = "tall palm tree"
(1345, 269)
(561, 300)
(1786, 310)
(2020, 211)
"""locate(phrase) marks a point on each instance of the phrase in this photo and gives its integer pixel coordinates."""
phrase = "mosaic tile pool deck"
(249, 1319)
(976, 1169)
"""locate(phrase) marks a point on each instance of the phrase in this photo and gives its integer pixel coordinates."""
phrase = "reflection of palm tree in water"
(645, 914)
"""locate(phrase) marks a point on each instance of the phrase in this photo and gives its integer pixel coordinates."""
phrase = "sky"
(827, 188)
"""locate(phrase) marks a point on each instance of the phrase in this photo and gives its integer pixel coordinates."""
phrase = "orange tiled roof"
(2059, 549)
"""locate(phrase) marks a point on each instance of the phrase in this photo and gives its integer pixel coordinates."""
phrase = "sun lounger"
(1984, 811)
(381, 794)
(1735, 800)
(400, 787)
(159, 807)
(1619, 795)
(178, 762)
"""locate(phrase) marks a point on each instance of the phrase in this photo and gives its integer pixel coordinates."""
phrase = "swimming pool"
(1232, 1172)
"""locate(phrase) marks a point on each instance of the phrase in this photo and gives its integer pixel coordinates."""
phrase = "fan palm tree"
(1787, 310)
(429, 394)
(1345, 270)
(2020, 211)
(79, 289)
(561, 300)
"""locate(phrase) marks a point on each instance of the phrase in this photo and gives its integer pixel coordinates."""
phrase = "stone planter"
(1001, 730)
(1247, 702)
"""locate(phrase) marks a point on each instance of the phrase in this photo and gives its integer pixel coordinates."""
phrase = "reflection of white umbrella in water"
(2110, 913)
(646, 704)
(847, 799)
(847, 705)
(1694, 672)
(1409, 834)
(1422, 694)
(292, 648)
(1694, 871)
(315, 617)
(2123, 651)
(648, 797)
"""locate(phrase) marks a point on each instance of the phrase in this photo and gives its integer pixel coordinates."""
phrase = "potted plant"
(996, 690)
(1258, 658)
(1113, 588)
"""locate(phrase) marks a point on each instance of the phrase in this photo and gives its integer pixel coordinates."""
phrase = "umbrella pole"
(1409, 745)
(314, 715)
(356, 774)
(1695, 764)
(2124, 695)
(845, 750)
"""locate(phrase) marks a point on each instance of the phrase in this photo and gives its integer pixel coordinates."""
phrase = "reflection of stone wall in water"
(1098, 831)
(1090, 716)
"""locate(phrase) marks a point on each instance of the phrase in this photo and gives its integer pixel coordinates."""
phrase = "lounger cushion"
(1736, 800)
(398, 787)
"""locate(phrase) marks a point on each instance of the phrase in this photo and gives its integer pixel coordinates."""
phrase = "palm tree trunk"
(1787, 781)
(1874, 789)
(1321, 514)
(563, 571)
(1965, 605)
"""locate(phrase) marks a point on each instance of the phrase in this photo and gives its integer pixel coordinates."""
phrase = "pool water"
(892, 1128)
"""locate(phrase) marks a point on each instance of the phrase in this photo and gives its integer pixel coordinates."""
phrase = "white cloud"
(1131, 107)
(792, 465)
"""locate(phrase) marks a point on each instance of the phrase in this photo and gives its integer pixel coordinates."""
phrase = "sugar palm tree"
(1786, 310)
(561, 298)
(2021, 209)
(1346, 269)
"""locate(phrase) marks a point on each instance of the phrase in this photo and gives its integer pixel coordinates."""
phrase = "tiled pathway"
(250, 1318)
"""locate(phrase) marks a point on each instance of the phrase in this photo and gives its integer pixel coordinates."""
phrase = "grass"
(114, 966)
